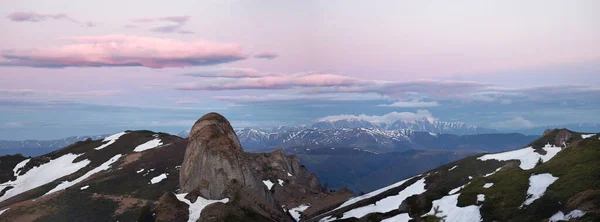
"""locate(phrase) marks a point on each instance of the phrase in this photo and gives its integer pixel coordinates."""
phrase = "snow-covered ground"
(453, 213)
(19, 166)
(268, 183)
(488, 185)
(158, 178)
(148, 145)
(84, 187)
(398, 218)
(527, 156)
(110, 140)
(560, 216)
(103, 166)
(480, 197)
(295, 212)
(372, 194)
(43, 174)
(2, 211)
(454, 167)
(388, 203)
(537, 186)
(585, 136)
(492, 173)
(280, 181)
(195, 209)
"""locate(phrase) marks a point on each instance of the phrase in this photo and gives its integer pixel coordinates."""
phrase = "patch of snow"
(398, 218)
(195, 209)
(560, 216)
(140, 170)
(295, 212)
(158, 178)
(470, 177)
(84, 187)
(480, 197)
(454, 167)
(43, 174)
(453, 191)
(527, 156)
(488, 185)
(492, 173)
(432, 134)
(372, 194)
(585, 136)
(110, 140)
(280, 182)
(148, 145)
(103, 166)
(268, 183)
(388, 203)
(453, 213)
(537, 186)
(289, 174)
(2, 211)
(20, 165)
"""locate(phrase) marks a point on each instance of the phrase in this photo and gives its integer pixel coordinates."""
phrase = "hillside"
(535, 183)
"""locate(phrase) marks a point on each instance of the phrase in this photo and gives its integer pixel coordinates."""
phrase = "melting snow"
(295, 212)
(480, 197)
(454, 167)
(19, 166)
(560, 216)
(158, 178)
(492, 173)
(453, 213)
(110, 140)
(470, 177)
(398, 218)
(585, 136)
(139, 171)
(195, 209)
(268, 183)
(280, 182)
(537, 186)
(2, 211)
(43, 174)
(104, 166)
(488, 185)
(527, 156)
(389, 203)
(84, 187)
(148, 145)
(372, 194)
(289, 174)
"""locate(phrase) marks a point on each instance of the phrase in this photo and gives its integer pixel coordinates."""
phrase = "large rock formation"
(214, 167)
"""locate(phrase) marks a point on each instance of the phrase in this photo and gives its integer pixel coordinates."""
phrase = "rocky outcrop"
(169, 208)
(214, 167)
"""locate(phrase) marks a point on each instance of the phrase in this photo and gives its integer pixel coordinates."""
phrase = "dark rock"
(169, 208)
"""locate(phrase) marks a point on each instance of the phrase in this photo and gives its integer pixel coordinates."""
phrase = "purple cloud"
(179, 22)
(38, 17)
(228, 72)
(266, 55)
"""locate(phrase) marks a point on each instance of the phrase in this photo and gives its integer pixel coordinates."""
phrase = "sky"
(92, 67)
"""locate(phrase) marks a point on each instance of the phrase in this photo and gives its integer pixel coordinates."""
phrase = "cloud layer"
(274, 82)
(38, 17)
(266, 55)
(122, 50)
(175, 25)
(387, 118)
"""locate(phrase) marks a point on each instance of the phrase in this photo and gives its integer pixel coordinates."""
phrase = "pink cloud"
(122, 50)
(229, 72)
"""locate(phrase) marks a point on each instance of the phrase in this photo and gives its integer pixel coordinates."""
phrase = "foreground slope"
(556, 177)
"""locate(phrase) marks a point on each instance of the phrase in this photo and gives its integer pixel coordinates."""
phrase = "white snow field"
(103, 166)
(537, 186)
(110, 140)
(268, 183)
(527, 156)
(43, 174)
(389, 203)
(148, 145)
(488, 185)
(372, 194)
(158, 178)
(295, 212)
(585, 136)
(560, 216)
(398, 218)
(195, 209)
(453, 213)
